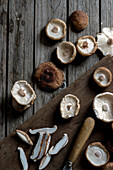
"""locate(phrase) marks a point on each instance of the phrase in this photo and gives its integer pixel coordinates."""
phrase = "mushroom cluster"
(105, 41)
(23, 95)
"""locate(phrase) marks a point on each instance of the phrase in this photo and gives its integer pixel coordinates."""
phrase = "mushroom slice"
(61, 144)
(23, 93)
(97, 154)
(103, 106)
(43, 147)
(24, 136)
(45, 130)
(37, 148)
(66, 52)
(102, 76)
(108, 166)
(105, 41)
(47, 144)
(49, 76)
(86, 45)
(69, 106)
(56, 29)
(45, 161)
(23, 158)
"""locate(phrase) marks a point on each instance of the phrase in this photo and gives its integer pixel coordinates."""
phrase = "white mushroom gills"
(44, 130)
(61, 144)
(24, 136)
(23, 158)
(96, 155)
(45, 161)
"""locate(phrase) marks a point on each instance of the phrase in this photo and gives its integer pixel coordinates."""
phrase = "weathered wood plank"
(81, 65)
(3, 56)
(106, 13)
(49, 115)
(44, 47)
(20, 63)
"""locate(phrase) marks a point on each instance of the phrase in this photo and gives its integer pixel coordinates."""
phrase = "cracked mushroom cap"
(86, 45)
(103, 106)
(56, 29)
(69, 106)
(66, 52)
(108, 166)
(22, 93)
(97, 154)
(105, 41)
(79, 20)
(49, 76)
(102, 76)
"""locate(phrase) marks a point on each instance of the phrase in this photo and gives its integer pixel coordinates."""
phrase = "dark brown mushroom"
(49, 76)
(79, 20)
(108, 166)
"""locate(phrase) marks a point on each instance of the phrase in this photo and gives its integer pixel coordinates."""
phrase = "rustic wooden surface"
(49, 115)
(24, 45)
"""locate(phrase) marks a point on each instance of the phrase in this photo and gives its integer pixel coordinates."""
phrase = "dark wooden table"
(24, 45)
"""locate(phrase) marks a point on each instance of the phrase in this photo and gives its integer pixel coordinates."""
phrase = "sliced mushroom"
(86, 45)
(108, 166)
(37, 148)
(79, 20)
(49, 76)
(61, 144)
(69, 106)
(66, 52)
(97, 154)
(23, 95)
(45, 130)
(45, 161)
(102, 76)
(47, 145)
(43, 147)
(23, 158)
(24, 136)
(103, 106)
(56, 29)
(105, 41)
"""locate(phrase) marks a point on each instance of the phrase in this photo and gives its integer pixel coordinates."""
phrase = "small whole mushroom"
(105, 41)
(86, 45)
(79, 20)
(66, 52)
(56, 29)
(49, 76)
(97, 154)
(103, 107)
(23, 95)
(102, 76)
(69, 106)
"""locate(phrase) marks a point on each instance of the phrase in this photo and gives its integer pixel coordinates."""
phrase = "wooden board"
(85, 89)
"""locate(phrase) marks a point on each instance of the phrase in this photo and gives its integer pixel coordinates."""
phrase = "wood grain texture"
(20, 63)
(45, 48)
(51, 116)
(3, 56)
(82, 64)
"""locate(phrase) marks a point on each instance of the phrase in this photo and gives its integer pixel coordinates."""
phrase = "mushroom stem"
(55, 29)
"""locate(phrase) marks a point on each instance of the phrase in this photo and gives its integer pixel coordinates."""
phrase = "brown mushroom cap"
(49, 76)
(102, 76)
(66, 52)
(79, 20)
(108, 166)
(56, 29)
(97, 154)
(86, 45)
